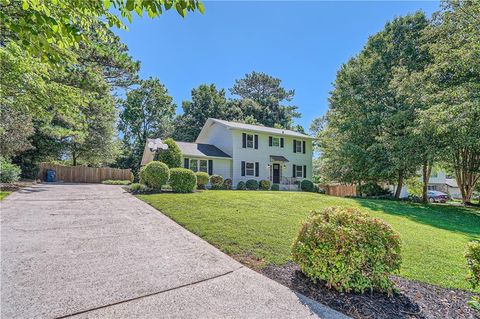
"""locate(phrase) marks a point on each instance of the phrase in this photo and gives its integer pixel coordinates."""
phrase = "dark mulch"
(414, 300)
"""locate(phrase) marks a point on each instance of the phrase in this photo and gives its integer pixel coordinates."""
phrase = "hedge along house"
(244, 151)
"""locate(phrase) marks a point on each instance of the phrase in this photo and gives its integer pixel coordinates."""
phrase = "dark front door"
(276, 173)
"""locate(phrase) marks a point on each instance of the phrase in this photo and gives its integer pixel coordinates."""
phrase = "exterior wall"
(262, 156)
(217, 135)
(220, 166)
(437, 177)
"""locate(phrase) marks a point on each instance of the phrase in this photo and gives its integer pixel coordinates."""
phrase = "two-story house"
(244, 151)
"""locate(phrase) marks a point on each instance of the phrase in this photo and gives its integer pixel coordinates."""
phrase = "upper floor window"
(298, 146)
(249, 140)
(276, 141)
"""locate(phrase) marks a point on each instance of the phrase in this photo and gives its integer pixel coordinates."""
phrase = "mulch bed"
(414, 300)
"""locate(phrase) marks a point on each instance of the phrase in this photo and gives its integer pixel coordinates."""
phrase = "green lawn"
(4, 194)
(262, 225)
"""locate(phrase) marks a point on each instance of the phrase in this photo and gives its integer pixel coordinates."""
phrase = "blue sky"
(302, 43)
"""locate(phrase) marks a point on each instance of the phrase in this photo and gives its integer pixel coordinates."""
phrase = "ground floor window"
(249, 168)
(203, 166)
(299, 171)
(431, 187)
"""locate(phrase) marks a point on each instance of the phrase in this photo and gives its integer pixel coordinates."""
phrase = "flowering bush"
(216, 181)
(265, 184)
(202, 179)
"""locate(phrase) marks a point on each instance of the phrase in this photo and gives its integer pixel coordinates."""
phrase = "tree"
(268, 94)
(147, 112)
(368, 131)
(207, 101)
(51, 29)
(171, 156)
(449, 87)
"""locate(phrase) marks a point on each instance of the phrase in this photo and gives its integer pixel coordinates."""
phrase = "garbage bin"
(51, 175)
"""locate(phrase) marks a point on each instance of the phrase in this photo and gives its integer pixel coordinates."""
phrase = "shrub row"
(9, 173)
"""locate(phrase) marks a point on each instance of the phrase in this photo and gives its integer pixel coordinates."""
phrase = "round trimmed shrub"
(275, 187)
(307, 186)
(264, 184)
(241, 186)
(202, 179)
(182, 180)
(9, 173)
(348, 250)
(216, 181)
(171, 156)
(227, 184)
(154, 175)
(251, 184)
(472, 254)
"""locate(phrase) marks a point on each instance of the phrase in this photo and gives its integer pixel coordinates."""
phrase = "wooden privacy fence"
(84, 174)
(340, 190)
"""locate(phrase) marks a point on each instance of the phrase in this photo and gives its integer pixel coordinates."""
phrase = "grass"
(4, 194)
(262, 225)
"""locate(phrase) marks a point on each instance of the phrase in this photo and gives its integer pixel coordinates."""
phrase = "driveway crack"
(149, 295)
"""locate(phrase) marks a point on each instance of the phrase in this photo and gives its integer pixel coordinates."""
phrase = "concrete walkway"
(94, 251)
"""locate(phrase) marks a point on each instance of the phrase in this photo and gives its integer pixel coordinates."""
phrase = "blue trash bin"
(51, 175)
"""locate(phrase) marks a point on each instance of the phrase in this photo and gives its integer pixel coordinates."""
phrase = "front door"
(276, 174)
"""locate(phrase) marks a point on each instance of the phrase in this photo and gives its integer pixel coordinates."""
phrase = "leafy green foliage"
(241, 186)
(50, 29)
(147, 112)
(348, 250)
(9, 173)
(216, 181)
(414, 186)
(472, 254)
(182, 180)
(202, 179)
(227, 183)
(138, 188)
(116, 182)
(264, 185)
(266, 95)
(171, 156)
(372, 189)
(275, 187)
(307, 185)
(251, 184)
(155, 174)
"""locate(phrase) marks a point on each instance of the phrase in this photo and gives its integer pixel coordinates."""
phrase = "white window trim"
(297, 146)
(301, 171)
(273, 143)
(253, 169)
(246, 140)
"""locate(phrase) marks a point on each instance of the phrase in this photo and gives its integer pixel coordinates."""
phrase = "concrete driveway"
(94, 251)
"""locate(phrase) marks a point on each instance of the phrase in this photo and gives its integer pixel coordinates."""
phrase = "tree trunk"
(426, 170)
(467, 165)
(74, 157)
(399, 185)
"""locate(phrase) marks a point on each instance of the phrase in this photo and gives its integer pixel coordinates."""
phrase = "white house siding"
(221, 166)
(262, 156)
(217, 135)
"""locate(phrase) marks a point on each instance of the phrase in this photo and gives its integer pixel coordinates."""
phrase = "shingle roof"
(259, 128)
(198, 149)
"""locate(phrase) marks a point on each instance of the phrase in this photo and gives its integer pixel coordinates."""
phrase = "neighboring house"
(243, 151)
(438, 181)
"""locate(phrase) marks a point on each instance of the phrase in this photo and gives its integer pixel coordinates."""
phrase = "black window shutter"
(269, 141)
(294, 147)
(304, 171)
(256, 169)
(294, 167)
(256, 141)
(244, 140)
(281, 142)
(185, 163)
(210, 167)
(243, 168)
(303, 147)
